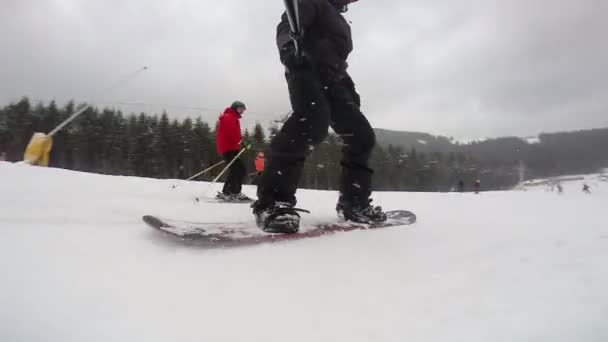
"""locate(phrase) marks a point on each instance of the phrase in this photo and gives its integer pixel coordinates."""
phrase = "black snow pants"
(236, 174)
(318, 104)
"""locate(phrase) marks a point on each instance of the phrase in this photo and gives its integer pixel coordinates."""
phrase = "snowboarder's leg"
(359, 140)
(305, 129)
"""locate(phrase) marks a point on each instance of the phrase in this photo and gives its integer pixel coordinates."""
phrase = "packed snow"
(78, 264)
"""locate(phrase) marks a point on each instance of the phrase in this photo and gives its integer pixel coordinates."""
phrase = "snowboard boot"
(277, 217)
(360, 213)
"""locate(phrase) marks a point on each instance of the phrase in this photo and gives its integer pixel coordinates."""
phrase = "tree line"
(108, 141)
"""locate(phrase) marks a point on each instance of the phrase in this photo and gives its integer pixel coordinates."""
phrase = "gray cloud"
(468, 69)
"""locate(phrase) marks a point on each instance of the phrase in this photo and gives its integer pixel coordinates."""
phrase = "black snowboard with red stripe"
(225, 234)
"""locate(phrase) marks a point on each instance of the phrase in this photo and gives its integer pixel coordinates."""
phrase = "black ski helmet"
(237, 104)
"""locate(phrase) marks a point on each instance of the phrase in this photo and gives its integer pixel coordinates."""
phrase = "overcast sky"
(466, 68)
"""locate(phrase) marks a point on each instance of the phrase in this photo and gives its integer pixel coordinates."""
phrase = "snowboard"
(226, 234)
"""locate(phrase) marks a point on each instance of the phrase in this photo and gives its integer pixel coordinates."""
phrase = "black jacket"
(326, 37)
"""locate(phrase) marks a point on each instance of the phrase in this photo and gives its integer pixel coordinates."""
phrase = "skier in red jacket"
(228, 143)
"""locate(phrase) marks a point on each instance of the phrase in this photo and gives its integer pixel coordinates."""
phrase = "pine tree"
(152, 154)
(176, 151)
(259, 138)
(162, 143)
(21, 128)
(5, 136)
(119, 147)
(188, 140)
(203, 147)
(379, 162)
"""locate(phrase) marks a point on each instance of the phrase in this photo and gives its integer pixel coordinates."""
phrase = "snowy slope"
(77, 264)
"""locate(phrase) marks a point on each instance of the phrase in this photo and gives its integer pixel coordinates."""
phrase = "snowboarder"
(322, 94)
(228, 143)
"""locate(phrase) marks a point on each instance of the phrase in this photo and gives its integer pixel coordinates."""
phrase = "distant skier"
(259, 163)
(322, 94)
(461, 186)
(259, 167)
(477, 186)
(560, 189)
(586, 189)
(228, 142)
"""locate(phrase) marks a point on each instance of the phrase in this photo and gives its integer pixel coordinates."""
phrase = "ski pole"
(293, 16)
(203, 172)
(227, 166)
(231, 162)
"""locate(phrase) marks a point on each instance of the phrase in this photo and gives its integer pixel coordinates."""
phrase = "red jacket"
(259, 163)
(228, 132)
